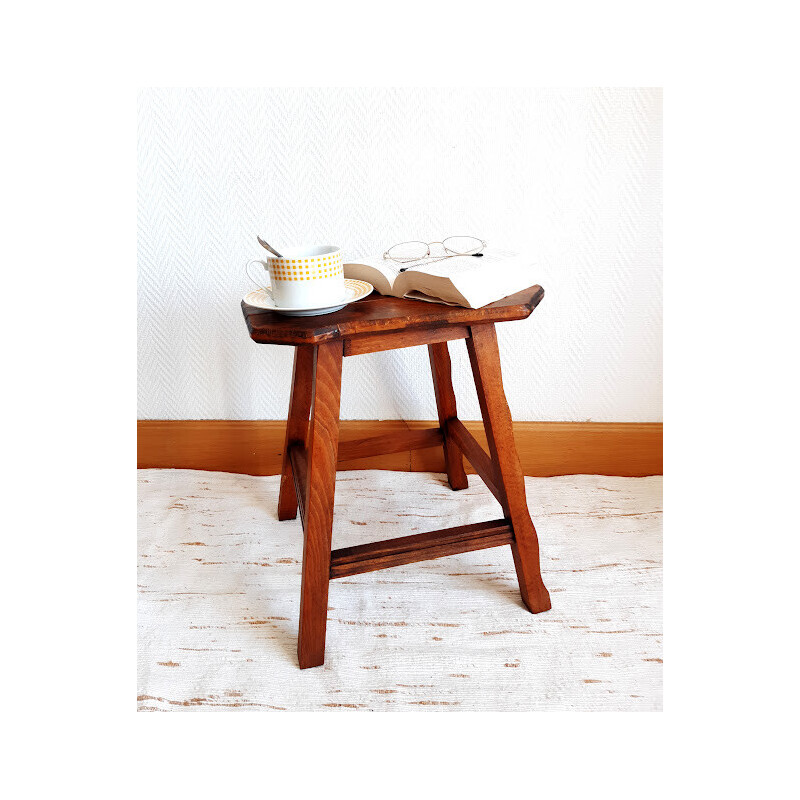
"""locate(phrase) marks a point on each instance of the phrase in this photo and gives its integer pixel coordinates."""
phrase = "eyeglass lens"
(408, 251)
(462, 245)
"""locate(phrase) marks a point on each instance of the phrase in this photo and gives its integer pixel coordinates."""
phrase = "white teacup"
(306, 277)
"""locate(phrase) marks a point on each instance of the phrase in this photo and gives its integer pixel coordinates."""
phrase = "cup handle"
(260, 283)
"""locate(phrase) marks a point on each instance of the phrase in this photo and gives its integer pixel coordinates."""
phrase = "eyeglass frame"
(451, 253)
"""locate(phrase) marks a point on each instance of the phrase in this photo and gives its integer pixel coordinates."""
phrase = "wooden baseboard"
(632, 449)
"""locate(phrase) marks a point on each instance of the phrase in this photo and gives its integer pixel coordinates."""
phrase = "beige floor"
(219, 587)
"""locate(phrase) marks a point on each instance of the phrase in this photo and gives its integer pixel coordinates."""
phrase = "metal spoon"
(267, 247)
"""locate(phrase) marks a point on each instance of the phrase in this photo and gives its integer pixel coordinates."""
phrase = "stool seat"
(379, 314)
(312, 449)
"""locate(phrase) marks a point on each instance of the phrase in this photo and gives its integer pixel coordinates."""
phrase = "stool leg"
(446, 406)
(484, 356)
(323, 446)
(296, 426)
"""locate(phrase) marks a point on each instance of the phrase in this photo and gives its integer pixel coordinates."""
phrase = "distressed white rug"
(219, 591)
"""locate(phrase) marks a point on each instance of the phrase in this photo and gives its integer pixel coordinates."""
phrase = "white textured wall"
(573, 175)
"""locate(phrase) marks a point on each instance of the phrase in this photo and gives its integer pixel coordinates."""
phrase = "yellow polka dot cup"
(305, 277)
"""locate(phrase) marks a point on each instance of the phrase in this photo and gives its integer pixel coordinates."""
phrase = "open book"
(467, 281)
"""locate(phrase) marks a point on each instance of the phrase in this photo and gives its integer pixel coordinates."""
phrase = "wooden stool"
(312, 447)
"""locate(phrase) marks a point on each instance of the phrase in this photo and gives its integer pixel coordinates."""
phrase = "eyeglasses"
(411, 252)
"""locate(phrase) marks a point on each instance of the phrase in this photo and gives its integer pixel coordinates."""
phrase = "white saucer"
(354, 290)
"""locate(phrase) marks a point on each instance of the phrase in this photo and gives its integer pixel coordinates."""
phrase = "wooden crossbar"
(299, 460)
(477, 456)
(375, 342)
(395, 443)
(421, 547)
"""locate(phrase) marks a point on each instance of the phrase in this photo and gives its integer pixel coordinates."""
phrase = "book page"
(501, 281)
(433, 288)
(414, 294)
(466, 280)
(377, 270)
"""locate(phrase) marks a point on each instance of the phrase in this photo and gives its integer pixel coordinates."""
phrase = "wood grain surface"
(441, 371)
(377, 342)
(420, 547)
(484, 356)
(629, 449)
(296, 426)
(323, 446)
(382, 315)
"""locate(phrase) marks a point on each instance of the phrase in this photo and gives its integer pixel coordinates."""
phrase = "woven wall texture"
(572, 175)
